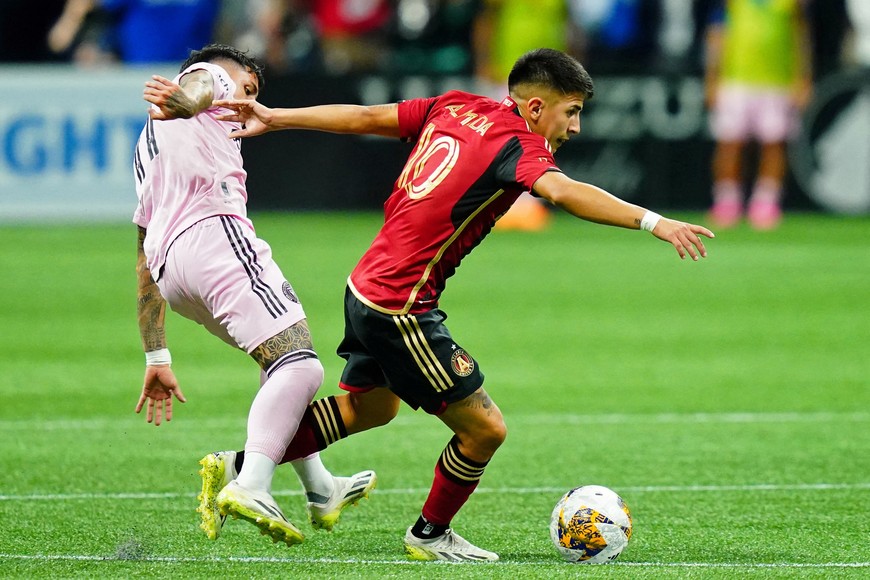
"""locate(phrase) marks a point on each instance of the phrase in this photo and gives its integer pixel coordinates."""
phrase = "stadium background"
(727, 400)
(68, 125)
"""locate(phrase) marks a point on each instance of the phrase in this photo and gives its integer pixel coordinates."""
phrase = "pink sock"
(767, 191)
(279, 406)
(727, 191)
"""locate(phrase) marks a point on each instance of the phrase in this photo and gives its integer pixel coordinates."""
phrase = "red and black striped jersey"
(473, 157)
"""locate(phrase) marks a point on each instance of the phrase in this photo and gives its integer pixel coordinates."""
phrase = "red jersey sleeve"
(412, 117)
(526, 159)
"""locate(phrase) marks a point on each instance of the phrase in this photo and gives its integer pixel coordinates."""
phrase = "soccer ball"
(590, 525)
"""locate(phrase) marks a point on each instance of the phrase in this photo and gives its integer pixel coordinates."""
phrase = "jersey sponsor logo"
(462, 363)
(287, 289)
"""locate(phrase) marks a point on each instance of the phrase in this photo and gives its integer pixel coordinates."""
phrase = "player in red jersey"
(473, 157)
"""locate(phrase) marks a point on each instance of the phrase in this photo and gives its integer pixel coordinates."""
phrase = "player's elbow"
(378, 120)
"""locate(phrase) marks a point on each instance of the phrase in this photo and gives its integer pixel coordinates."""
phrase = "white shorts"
(742, 113)
(220, 274)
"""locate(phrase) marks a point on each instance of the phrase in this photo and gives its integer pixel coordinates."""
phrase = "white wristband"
(649, 221)
(158, 357)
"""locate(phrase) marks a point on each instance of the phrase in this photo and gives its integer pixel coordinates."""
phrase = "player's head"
(551, 69)
(550, 88)
(215, 53)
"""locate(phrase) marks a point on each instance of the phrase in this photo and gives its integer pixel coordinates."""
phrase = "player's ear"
(535, 107)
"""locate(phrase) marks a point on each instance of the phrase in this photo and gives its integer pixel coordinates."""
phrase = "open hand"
(683, 236)
(255, 117)
(159, 387)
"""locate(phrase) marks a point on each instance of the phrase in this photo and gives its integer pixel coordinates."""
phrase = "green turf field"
(726, 400)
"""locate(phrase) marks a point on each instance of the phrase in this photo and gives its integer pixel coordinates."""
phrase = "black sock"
(240, 459)
(425, 530)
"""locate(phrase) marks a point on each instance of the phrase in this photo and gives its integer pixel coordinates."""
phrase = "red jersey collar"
(511, 104)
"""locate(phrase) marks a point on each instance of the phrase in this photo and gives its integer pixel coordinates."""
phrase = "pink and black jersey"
(187, 170)
(473, 157)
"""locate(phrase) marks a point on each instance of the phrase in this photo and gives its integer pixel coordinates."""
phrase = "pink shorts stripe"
(220, 274)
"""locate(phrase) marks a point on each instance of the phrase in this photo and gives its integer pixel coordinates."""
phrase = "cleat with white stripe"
(260, 509)
(346, 491)
(218, 469)
(448, 547)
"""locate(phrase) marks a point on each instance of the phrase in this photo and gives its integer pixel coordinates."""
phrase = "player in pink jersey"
(198, 252)
(473, 157)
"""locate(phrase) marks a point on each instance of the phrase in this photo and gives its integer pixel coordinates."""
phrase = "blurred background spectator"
(646, 128)
(353, 34)
(616, 33)
(132, 31)
(282, 34)
(433, 36)
(469, 37)
(758, 77)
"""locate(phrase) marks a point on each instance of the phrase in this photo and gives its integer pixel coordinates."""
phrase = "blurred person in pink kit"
(758, 78)
(198, 253)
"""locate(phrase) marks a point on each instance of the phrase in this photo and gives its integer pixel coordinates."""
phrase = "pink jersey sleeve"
(224, 86)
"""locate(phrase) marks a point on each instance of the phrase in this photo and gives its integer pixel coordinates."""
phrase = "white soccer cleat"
(218, 469)
(346, 491)
(259, 508)
(448, 547)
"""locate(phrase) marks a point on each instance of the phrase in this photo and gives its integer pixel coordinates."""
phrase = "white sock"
(257, 472)
(314, 476)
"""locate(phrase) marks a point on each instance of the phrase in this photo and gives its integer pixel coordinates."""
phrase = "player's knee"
(306, 376)
(484, 439)
(493, 435)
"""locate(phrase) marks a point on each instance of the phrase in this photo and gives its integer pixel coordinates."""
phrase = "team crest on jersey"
(288, 292)
(462, 363)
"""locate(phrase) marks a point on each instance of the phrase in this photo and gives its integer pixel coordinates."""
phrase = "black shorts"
(411, 354)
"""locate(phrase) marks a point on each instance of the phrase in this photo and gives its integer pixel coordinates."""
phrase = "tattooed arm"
(191, 95)
(160, 382)
(151, 307)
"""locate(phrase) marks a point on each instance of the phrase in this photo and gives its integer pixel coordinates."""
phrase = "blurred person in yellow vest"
(758, 78)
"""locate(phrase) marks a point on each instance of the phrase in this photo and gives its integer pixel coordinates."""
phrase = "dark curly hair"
(213, 52)
(554, 69)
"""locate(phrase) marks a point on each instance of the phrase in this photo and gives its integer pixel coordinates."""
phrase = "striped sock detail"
(458, 468)
(327, 422)
(290, 357)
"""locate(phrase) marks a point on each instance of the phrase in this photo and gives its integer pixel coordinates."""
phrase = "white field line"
(502, 563)
(480, 490)
(415, 420)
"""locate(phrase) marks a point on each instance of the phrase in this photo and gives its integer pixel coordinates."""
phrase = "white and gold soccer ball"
(590, 525)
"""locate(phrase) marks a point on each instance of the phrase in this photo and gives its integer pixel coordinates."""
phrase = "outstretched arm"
(596, 205)
(160, 383)
(356, 119)
(191, 95)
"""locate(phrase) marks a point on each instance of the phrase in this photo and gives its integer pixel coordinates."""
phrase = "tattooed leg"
(478, 424)
(290, 339)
